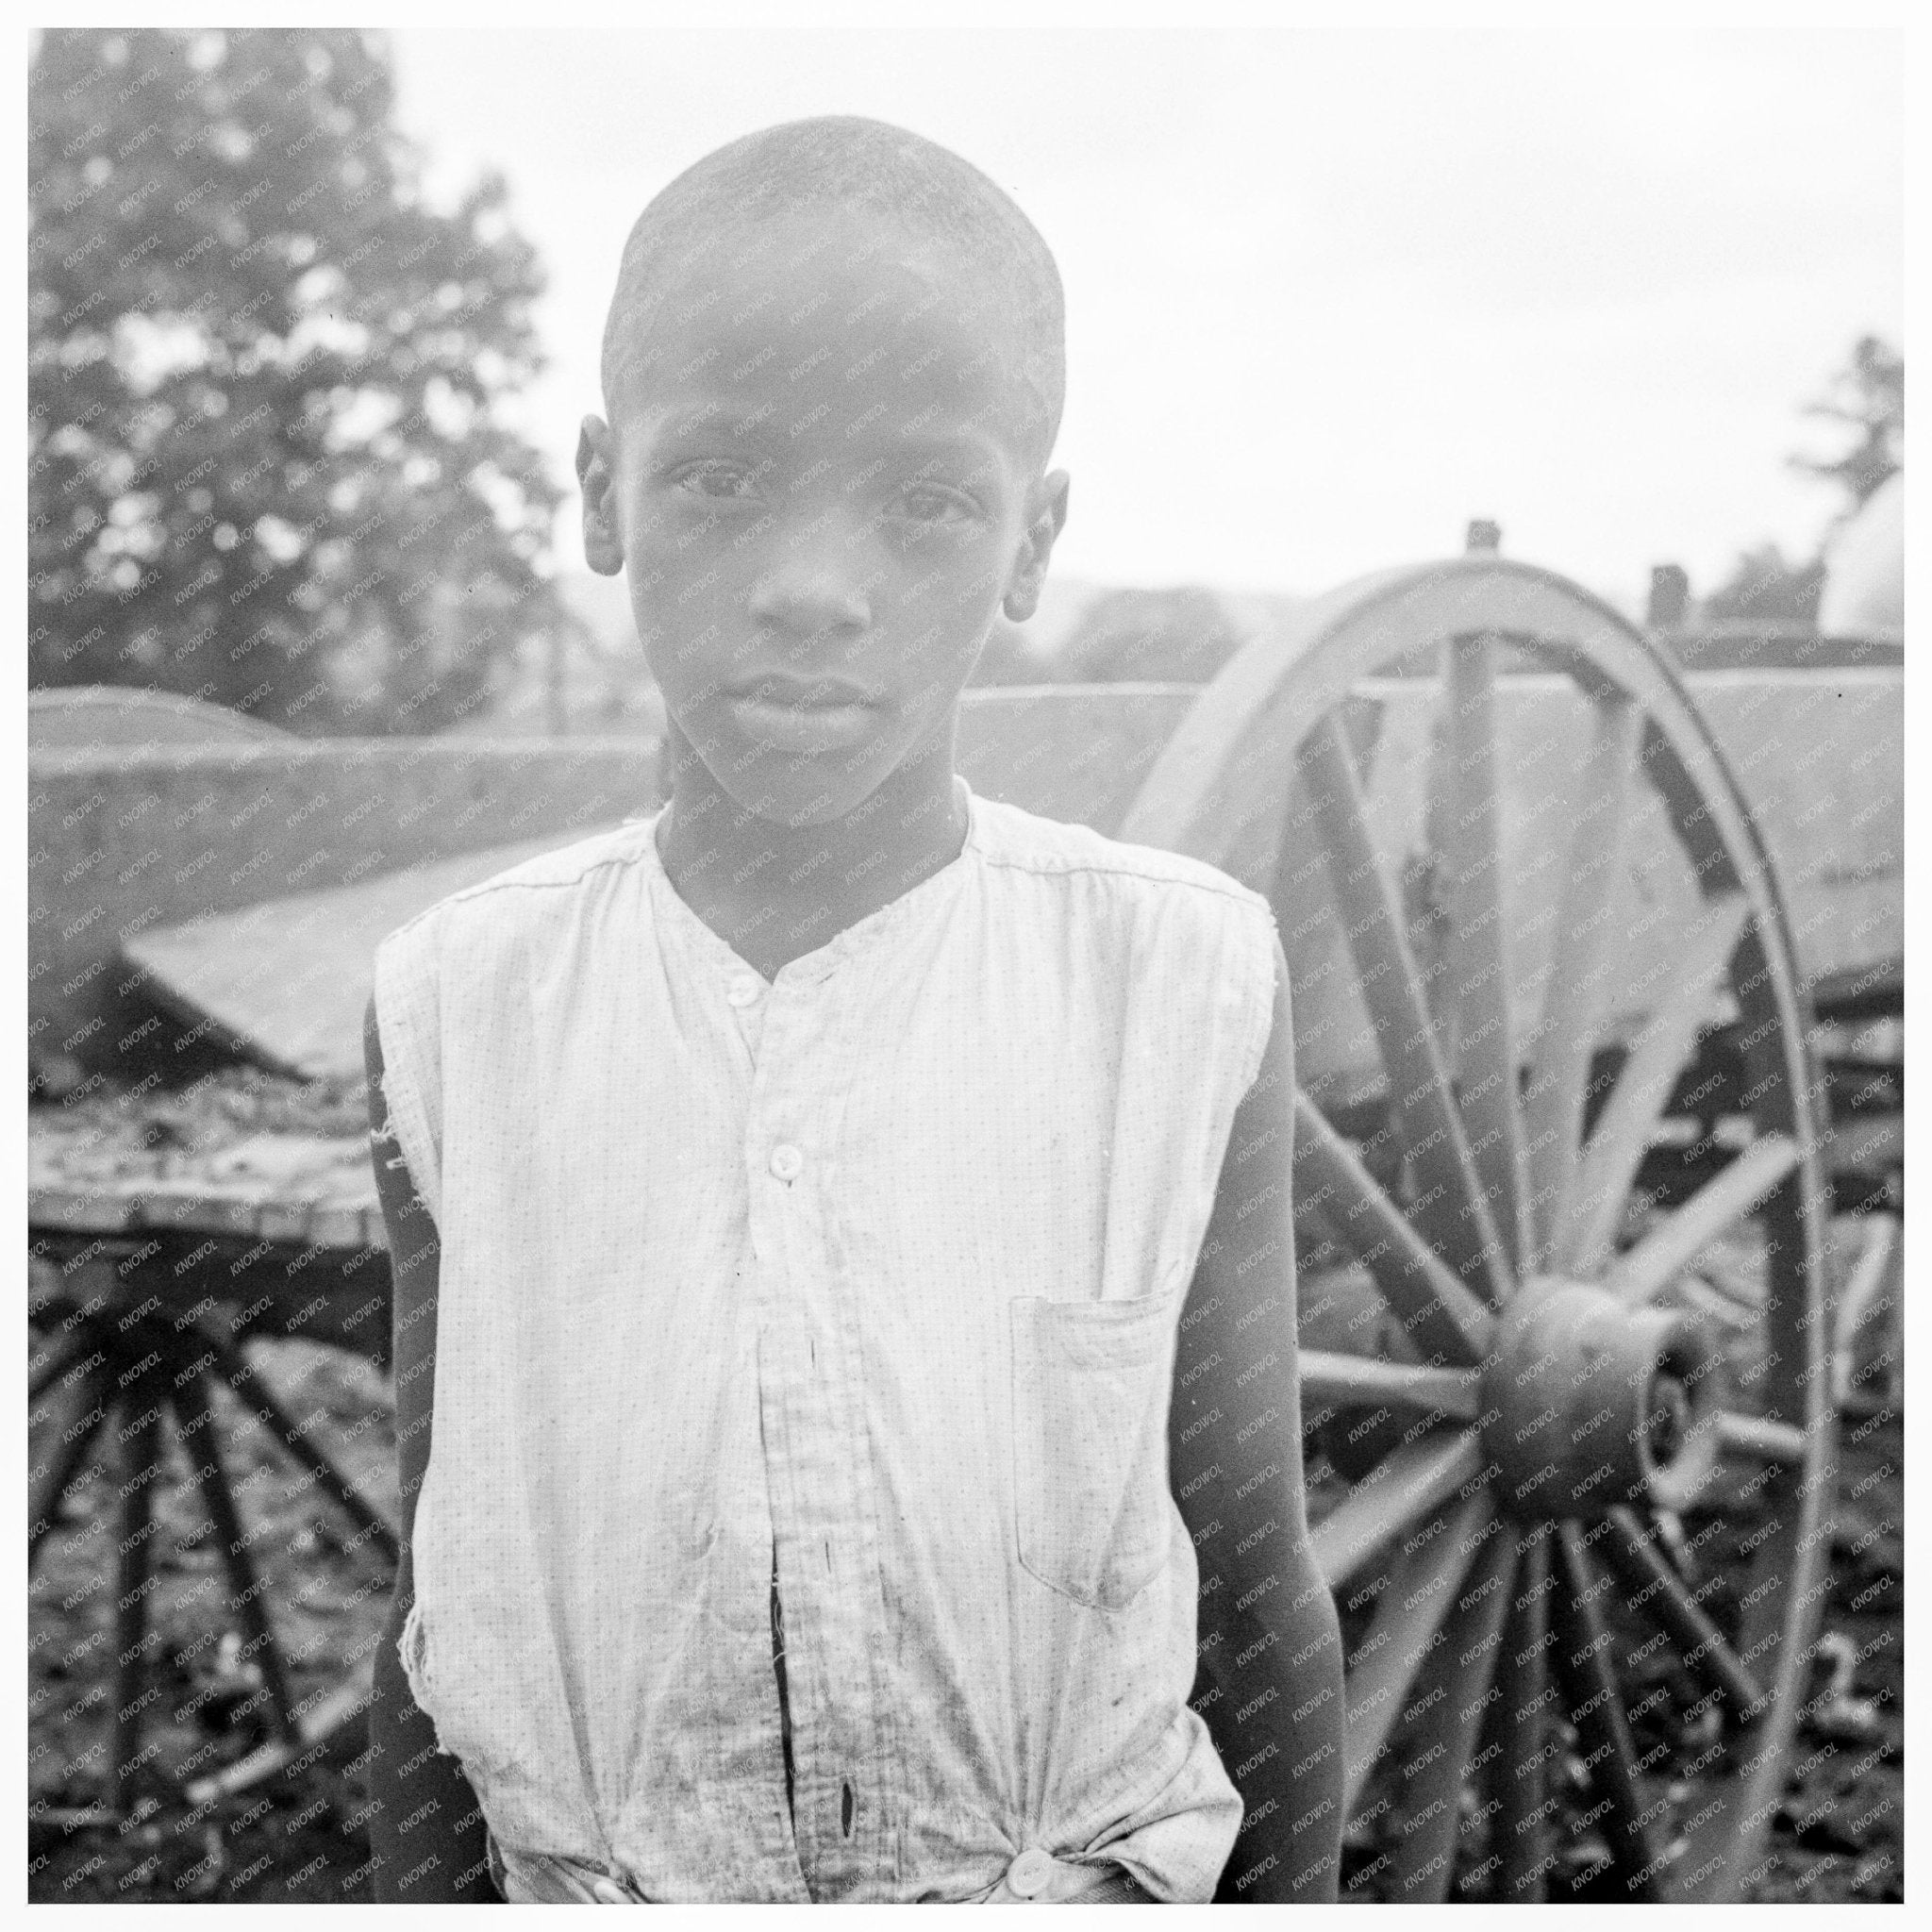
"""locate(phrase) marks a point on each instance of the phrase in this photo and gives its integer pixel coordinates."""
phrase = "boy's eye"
(715, 479)
(934, 503)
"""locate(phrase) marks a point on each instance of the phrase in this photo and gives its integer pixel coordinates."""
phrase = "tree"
(1763, 587)
(265, 460)
(1183, 636)
(1868, 397)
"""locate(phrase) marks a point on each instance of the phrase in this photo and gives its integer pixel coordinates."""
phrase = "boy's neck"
(773, 893)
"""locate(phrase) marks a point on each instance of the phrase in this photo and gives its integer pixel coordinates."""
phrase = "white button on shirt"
(931, 1372)
(743, 990)
(1029, 1874)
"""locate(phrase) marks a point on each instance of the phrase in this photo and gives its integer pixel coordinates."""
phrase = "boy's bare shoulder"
(534, 893)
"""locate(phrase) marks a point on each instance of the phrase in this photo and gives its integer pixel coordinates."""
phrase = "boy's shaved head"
(942, 203)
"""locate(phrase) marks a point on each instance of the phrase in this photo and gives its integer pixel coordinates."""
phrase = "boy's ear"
(1029, 566)
(596, 472)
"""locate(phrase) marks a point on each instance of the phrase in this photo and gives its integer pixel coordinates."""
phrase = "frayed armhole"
(412, 1649)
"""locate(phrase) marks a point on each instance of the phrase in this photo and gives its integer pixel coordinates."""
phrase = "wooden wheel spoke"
(1650, 1267)
(1442, 1317)
(1873, 1289)
(1361, 1381)
(1466, 834)
(1593, 1205)
(1430, 1750)
(1396, 1495)
(268, 1412)
(211, 1476)
(1760, 1436)
(1720, 1308)
(1583, 959)
(141, 1453)
(1516, 1747)
(60, 1357)
(1421, 1590)
(68, 1458)
(1581, 1656)
(1658, 1591)
(1456, 1217)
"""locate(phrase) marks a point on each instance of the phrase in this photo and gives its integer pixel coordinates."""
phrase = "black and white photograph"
(966, 962)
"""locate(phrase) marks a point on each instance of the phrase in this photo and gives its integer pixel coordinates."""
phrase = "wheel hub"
(1589, 1402)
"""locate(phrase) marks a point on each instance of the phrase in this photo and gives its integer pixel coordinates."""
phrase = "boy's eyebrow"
(964, 442)
(909, 437)
(680, 421)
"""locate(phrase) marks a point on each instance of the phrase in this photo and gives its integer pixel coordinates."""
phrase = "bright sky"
(1330, 294)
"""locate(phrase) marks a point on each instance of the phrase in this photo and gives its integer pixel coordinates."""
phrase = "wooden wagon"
(1561, 1176)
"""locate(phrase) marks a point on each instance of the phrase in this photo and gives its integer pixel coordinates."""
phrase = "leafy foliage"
(1868, 399)
(1764, 588)
(266, 466)
(1183, 636)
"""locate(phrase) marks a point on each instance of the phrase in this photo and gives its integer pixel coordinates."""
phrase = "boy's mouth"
(802, 715)
(784, 688)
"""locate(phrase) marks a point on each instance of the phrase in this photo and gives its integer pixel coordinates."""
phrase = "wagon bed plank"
(286, 981)
(296, 1190)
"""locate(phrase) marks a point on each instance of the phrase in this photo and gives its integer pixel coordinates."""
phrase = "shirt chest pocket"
(1091, 1391)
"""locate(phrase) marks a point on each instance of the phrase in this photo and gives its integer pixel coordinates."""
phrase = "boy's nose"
(811, 592)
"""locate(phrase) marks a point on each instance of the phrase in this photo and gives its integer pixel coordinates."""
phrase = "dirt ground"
(1840, 1834)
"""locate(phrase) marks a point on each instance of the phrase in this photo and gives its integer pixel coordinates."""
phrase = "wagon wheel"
(1561, 1389)
(114, 1372)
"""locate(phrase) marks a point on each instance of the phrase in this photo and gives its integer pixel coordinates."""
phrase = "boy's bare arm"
(425, 1832)
(1270, 1678)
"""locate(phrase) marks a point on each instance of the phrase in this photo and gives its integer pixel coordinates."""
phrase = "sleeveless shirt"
(876, 1269)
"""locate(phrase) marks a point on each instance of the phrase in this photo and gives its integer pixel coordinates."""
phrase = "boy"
(834, 1213)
